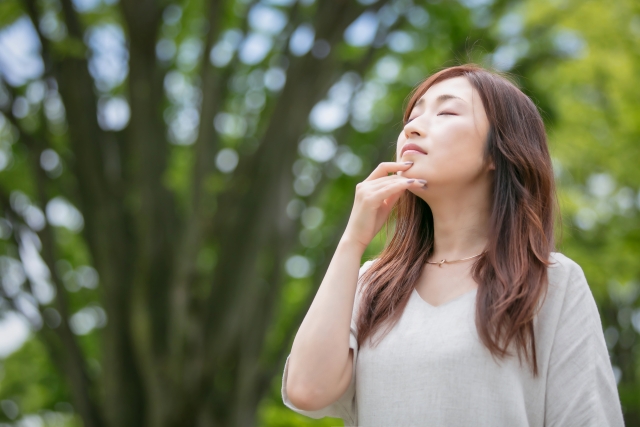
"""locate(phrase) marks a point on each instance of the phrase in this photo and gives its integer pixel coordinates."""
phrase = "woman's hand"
(321, 364)
(375, 197)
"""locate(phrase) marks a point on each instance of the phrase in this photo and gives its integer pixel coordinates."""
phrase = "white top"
(432, 369)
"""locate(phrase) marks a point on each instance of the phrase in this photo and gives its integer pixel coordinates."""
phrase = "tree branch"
(71, 19)
(73, 362)
(107, 228)
(74, 365)
(155, 224)
(215, 87)
(244, 218)
(32, 11)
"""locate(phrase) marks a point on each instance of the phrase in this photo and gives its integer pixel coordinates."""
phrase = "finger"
(391, 200)
(386, 180)
(378, 183)
(385, 168)
(395, 187)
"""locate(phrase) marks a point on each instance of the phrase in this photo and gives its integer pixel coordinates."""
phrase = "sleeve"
(346, 406)
(581, 387)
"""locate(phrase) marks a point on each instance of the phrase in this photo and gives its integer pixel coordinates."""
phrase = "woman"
(468, 281)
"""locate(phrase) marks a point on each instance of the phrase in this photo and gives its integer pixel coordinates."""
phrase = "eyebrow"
(440, 99)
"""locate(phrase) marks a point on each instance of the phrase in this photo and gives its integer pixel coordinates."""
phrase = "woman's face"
(450, 125)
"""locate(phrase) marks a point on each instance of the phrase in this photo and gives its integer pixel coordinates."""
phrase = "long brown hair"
(512, 274)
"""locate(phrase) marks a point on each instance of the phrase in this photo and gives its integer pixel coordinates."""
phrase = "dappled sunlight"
(174, 180)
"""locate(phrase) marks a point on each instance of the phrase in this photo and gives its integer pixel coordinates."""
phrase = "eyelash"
(440, 113)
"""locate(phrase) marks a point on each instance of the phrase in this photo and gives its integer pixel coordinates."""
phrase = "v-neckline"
(459, 297)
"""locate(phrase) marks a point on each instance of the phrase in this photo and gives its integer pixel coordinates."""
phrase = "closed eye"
(442, 113)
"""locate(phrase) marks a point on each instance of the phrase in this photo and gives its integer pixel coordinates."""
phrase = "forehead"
(456, 86)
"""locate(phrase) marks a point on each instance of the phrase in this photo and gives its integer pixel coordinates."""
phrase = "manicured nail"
(409, 181)
(422, 181)
(408, 163)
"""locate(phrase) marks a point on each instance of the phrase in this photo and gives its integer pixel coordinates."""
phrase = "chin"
(421, 193)
(409, 174)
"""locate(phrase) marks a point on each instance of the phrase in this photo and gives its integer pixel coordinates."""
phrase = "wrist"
(351, 244)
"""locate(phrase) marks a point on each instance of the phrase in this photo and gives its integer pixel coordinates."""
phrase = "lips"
(412, 146)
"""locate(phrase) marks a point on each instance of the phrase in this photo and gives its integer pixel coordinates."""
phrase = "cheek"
(401, 140)
(460, 140)
(458, 154)
(398, 145)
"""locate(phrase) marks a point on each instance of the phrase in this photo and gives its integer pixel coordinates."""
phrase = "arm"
(320, 365)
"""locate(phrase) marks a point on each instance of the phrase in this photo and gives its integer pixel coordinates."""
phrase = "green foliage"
(10, 10)
(31, 381)
(579, 61)
(594, 140)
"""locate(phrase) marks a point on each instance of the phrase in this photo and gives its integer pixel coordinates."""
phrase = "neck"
(461, 225)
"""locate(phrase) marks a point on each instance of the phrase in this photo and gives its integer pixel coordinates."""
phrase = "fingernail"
(408, 163)
(422, 181)
(409, 181)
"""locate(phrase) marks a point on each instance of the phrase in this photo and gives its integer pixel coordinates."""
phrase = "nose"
(413, 129)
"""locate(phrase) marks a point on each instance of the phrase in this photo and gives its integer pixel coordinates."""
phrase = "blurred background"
(175, 175)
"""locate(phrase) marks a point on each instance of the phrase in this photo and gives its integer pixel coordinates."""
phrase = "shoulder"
(561, 263)
(566, 274)
(569, 293)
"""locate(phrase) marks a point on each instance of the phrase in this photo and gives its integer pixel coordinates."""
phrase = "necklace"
(451, 262)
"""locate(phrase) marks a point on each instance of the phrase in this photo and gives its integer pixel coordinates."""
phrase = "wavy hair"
(512, 273)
